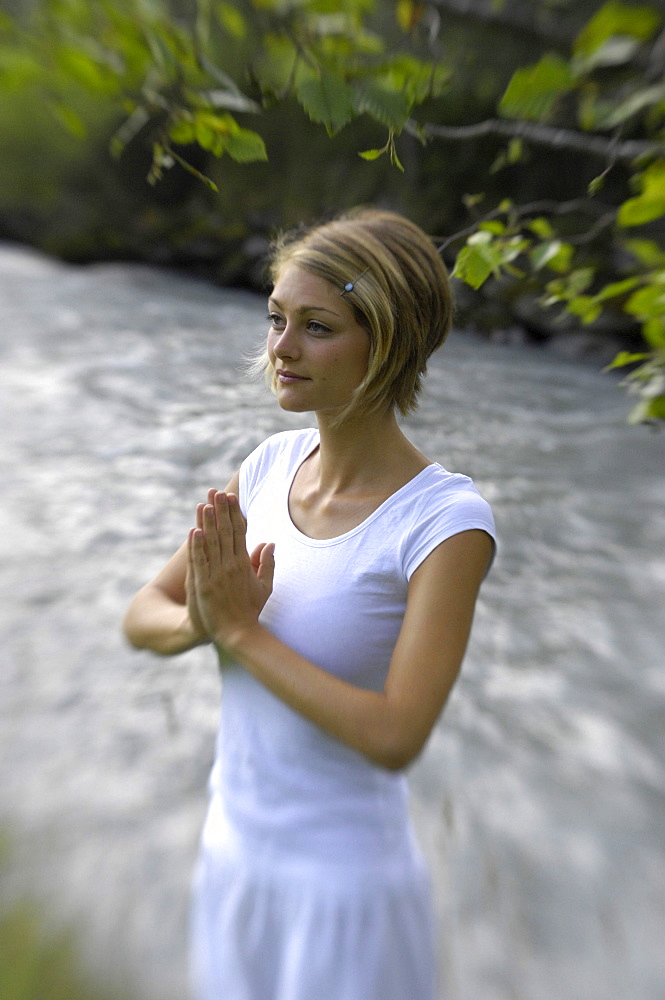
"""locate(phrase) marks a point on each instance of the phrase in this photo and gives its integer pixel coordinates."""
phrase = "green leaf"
(71, 120)
(542, 227)
(647, 252)
(580, 279)
(379, 98)
(534, 91)
(408, 14)
(639, 211)
(372, 154)
(219, 134)
(543, 254)
(614, 18)
(512, 154)
(414, 78)
(274, 68)
(183, 132)
(231, 20)
(473, 266)
(596, 185)
(493, 226)
(614, 51)
(245, 146)
(655, 409)
(77, 65)
(327, 99)
(647, 303)
(654, 331)
(471, 200)
(624, 358)
(649, 409)
(618, 288)
(18, 69)
(561, 261)
(554, 254)
(483, 255)
(480, 238)
(650, 204)
(586, 307)
(509, 250)
(571, 286)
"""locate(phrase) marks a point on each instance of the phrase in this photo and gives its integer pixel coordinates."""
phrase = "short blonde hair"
(400, 294)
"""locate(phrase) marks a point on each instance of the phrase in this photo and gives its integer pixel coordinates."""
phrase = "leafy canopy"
(203, 82)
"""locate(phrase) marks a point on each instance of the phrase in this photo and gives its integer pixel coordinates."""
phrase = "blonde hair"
(400, 294)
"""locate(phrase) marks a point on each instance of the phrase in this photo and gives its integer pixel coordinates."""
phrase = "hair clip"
(350, 285)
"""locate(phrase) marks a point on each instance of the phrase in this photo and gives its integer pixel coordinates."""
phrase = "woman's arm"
(163, 615)
(389, 727)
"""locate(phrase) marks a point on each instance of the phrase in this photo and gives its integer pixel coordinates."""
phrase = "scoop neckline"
(336, 539)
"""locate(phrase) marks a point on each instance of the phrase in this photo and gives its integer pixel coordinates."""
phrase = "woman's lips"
(283, 375)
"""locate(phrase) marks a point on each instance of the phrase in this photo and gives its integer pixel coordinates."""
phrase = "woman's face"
(317, 347)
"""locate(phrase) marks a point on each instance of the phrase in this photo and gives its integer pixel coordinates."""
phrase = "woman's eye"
(275, 319)
(317, 328)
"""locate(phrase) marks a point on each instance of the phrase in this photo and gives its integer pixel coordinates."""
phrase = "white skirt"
(296, 929)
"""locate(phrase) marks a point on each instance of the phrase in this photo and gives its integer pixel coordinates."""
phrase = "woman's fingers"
(198, 559)
(238, 526)
(224, 529)
(266, 570)
(200, 506)
(215, 548)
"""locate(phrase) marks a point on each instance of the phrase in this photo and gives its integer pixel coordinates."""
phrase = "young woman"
(336, 577)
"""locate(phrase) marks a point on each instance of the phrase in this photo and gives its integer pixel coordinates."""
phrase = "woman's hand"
(226, 588)
(198, 628)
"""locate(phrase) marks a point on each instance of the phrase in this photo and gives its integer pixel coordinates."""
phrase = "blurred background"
(149, 150)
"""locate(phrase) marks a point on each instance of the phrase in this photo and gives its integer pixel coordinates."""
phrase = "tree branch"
(543, 135)
(546, 207)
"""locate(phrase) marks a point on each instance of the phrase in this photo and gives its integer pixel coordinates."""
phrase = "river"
(540, 800)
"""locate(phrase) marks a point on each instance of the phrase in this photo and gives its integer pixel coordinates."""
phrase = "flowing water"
(540, 800)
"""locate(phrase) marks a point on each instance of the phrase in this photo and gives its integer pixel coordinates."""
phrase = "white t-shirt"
(285, 785)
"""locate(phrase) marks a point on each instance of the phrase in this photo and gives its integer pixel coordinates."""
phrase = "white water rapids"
(540, 800)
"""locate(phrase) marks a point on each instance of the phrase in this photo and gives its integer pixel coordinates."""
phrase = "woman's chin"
(292, 406)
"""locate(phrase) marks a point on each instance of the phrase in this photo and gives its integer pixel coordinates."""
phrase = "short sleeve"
(283, 447)
(443, 513)
(253, 469)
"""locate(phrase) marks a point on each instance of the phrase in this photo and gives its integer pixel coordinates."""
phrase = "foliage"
(609, 85)
(192, 77)
(200, 77)
(36, 962)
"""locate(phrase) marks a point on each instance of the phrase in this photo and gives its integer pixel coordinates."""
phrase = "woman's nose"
(286, 345)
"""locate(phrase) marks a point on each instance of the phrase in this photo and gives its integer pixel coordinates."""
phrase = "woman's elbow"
(400, 758)
(142, 617)
(397, 750)
(131, 628)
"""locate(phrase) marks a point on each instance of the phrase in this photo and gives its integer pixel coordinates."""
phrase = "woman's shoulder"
(282, 452)
(436, 485)
(438, 505)
(283, 443)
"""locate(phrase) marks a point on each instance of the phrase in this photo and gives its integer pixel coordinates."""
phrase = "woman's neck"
(369, 452)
